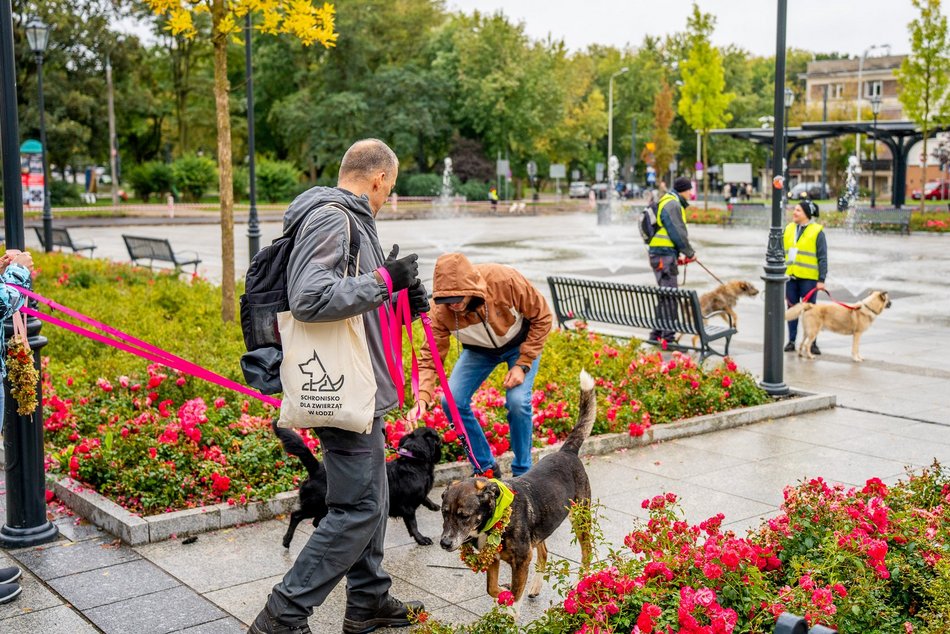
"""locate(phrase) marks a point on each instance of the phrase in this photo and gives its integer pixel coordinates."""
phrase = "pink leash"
(392, 322)
(132, 345)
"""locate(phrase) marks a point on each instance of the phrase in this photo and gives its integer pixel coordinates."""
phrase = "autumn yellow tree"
(299, 18)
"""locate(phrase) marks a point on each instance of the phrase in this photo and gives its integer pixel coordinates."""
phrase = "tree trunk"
(705, 171)
(923, 175)
(221, 88)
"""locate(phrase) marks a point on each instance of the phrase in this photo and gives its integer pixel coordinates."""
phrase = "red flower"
(726, 381)
(648, 613)
(506, 598)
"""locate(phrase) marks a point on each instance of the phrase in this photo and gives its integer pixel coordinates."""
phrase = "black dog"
(411, 476)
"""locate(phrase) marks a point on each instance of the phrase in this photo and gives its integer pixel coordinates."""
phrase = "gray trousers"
(665, 269)
(349, 540)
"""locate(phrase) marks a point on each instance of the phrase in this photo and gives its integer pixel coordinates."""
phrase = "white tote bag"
(327, 374)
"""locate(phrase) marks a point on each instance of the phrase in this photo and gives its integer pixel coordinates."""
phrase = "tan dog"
(852, 319)
(542, 499)
(723, 300)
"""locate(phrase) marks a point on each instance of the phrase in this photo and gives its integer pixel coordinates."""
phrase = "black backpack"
(265, 295)
(648, 226)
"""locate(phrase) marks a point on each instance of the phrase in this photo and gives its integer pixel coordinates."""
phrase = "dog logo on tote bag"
(313, 368)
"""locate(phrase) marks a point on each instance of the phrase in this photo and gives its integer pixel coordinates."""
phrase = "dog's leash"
(684, 262)
(825, 291)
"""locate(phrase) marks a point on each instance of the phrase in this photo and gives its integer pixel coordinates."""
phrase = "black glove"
(418, 299)
(403, 271)
(392, 255)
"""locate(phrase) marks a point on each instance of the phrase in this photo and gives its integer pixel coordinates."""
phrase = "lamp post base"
(11, 537)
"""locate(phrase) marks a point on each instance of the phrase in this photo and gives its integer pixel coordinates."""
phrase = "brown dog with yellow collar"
(539, 501)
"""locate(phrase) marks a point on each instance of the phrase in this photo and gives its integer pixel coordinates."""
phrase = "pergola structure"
(898, 136)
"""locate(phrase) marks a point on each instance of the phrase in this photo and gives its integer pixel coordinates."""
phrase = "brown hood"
(455, 275)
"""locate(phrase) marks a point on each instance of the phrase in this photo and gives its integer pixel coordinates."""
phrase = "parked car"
(935, 191)
(578, 189)
(814, 190)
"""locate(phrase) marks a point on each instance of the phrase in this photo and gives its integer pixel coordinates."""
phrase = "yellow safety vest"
(662, 237)
(804, 264)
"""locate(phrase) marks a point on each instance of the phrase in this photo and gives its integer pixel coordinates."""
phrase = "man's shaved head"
(366, 158)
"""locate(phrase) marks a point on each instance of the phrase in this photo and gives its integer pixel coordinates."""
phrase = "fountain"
(849, 199)
(446, 204)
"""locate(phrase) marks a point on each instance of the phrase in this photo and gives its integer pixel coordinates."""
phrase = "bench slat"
(151, 249)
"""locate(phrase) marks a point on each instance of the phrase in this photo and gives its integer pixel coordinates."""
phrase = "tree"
(665, 146)
(924, 75)
(298, 18)
(703, 99)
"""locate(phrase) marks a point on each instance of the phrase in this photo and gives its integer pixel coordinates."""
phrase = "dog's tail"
(586, 417)
(796, 311)
(295, 446)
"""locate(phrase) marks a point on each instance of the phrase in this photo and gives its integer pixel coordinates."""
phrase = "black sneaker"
(814, 349)
(9, 592)
(267, 623)
(9, 575)
(394, 613)
(790, 346)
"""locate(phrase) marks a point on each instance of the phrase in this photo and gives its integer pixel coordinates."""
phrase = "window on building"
(837, 90)
(873, 89)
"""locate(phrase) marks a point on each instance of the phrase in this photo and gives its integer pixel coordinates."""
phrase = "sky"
(821, 26)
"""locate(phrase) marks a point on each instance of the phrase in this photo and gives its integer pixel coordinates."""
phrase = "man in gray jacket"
(349, 540)
(670, 240)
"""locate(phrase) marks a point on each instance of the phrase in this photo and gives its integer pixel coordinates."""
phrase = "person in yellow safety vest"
(493, 197)
(670, 240)
(806, 256)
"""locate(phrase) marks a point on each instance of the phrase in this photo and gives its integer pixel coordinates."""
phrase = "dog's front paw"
(286, 542)
(857, 358)
(422, 540)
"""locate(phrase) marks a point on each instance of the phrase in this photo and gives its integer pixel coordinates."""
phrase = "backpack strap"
(352, 256)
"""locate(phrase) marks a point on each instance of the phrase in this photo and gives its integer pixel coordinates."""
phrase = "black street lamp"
(772, 361)
(789, 100)
(876, 110)
(253, 225)
(37, 35)
(26, 523)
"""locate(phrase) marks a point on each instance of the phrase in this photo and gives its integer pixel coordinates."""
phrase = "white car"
(578, 189)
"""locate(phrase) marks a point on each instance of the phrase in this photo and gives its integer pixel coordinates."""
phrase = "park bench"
(635, 306)
(748, 215)
(153, 249)
(877, 217)
(63, 240)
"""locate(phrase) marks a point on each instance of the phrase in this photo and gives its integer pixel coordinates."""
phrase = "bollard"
(790, 624)
(171, 206)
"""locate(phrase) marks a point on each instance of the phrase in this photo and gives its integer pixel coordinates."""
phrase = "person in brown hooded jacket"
(498, 316)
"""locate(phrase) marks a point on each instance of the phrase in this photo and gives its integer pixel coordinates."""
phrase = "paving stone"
(77, 529)
(742, 443)
(907, 450)
(156, 613)
(673, 460)
(34, 597)
(68, 558)
(226, 557)
(115, 583)
(56, 620)
(229, 625)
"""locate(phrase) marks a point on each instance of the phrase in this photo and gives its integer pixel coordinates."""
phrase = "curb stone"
(135, 530)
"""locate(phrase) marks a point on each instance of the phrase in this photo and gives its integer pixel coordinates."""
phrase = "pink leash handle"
(136, 346)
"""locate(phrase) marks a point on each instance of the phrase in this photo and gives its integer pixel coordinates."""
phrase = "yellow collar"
(505, 498)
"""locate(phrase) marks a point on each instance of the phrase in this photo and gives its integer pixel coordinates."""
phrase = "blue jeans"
(2, 405)
(470, 371)
(795, 290)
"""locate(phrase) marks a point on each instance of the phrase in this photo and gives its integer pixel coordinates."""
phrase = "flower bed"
(860, 560)
(153, 440)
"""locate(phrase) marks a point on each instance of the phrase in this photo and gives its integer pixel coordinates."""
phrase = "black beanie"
(682, 184)
(810, 208)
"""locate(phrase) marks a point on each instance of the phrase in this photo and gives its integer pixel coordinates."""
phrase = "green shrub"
(423, 185)
(276, 180)
(240, 182)
(474, 190)
(194, 176)
(62, 193)
(150, 178)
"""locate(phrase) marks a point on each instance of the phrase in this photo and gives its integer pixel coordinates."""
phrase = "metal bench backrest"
(149, 248)
(882, 215)
(624, 304)
(60, 237)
